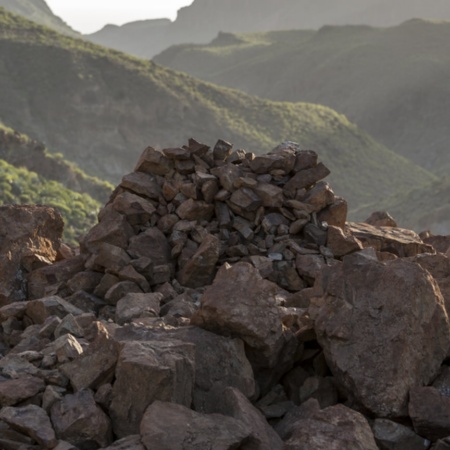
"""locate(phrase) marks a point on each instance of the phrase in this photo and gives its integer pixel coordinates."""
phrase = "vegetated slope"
(422, 208)
(21, 186)
(38, 11)
(19, 150)
(203, 19)
(101, 108)
(392, 82)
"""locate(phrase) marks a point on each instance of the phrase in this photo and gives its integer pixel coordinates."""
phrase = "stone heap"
(223, 302)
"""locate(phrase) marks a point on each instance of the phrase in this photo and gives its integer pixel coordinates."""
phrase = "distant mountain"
(203, 19)
(30, 175)
(392, 82)
(38, 11)
(102, 108)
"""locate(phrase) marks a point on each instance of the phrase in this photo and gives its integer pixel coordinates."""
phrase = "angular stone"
(136, 209)
(429, 412)
(133, 306)
(227, 174)
(39, 310)
(442, 444)
(132, 442)
(236, 405)
(68, 325)
(177, 153)
(167, 426)
(200, 270)
(381, 219)
(80, 421)
(142, 184)
(16, 390)
(222, 150)
(96, 365)
(399, 241)
(342, 243)
(129, 273)
(151, 244)
(108, 257)
(119, 290)
(319, 197)
(336, 427)
(267, 163)
(113, 228)
(153, 162)
(35, 236)
(310, 266)
(149, 371)
(67, 348)
(209, 190)
(334, 214)
(84, 281)
(306, 178)
(394, 436)
(246, 199)
(16, 309)
(195, 210)
(242, 304)
(32, 421)
(383, 329)
(305, 159)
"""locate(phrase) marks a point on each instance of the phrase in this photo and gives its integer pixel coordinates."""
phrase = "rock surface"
(220, 296)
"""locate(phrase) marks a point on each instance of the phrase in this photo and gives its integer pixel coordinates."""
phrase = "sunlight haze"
(88, 16)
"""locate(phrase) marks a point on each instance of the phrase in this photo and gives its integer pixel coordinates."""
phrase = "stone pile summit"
(223, 302)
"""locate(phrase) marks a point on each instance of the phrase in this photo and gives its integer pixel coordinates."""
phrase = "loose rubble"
(223, 301)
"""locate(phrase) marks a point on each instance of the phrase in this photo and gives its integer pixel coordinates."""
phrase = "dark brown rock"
(32, 421)
(430, 412)
(195, 210)
(381, 219)
(167, 426)
(200, 270)
(394, 436)
(154, 162)
(142, 184)
(334, 428)
(137, 209)
(16, 390)
(149, 371)
(39, 310)
(306, 178)
(378, 345)
(151, 244)
(133, 306)
(80, 421)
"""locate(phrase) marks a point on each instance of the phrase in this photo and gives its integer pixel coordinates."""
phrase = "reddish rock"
(151, 244)
(142, 184)
(383, 329)
(242, 304)
(307, 177)
(149, 371)
(16, 390)
(334, 214)
(195, 210)
(133, 306)
(430, 412)
(341, 242)
(32, 421)
(381, 219)
(137, 210)
(200, 270)
(79, 420)
(167, 426)
(39, 310)
(336, 427)
(153, 162)
(31, 243)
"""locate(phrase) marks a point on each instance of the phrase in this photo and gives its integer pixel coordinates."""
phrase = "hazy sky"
(88, 16)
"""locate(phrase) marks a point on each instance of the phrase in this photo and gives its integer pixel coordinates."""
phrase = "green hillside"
(19, 150)
(392, 82)
(101, 108)
(38, 11)
(21, 186)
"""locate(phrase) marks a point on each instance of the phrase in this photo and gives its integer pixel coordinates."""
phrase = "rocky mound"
(223, 302)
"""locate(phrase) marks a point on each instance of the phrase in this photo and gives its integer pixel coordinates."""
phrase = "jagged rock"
(381, 219)
(154, 162)
(127, 443)
(342, 243)
(32, 421)
(96, 365)
(149, 371)
(235, 404)
(39, 310)
(394, 436)
(307, 177)
(31, 243)
(378, 345)
(133, 306)
(151, 244)
(167, 426)
(200, 270)
(16, 390)
(195, 210)
(442, 444)
(399, 241)
(242, 304)
(142, 184)
(430, 412)
(120, 290)
(336, 427)
(67, 348)
(137, 209)
(334, 214)
(79, 420)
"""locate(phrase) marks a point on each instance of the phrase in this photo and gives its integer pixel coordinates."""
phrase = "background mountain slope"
(392, 82)
(101, 108)
(19, 185)
(38, 11)
(203, 19)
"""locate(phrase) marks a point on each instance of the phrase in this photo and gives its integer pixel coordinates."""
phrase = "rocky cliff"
(222, 301)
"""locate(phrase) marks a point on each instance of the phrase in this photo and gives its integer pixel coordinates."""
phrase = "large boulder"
(383, 328)
(30, 237)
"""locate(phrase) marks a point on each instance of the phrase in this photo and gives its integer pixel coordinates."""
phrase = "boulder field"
(223, 302)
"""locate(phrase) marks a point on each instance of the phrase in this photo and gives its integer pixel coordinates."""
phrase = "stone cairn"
(222, 301)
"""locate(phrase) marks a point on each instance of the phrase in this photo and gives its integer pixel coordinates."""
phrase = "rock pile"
(223, 301)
